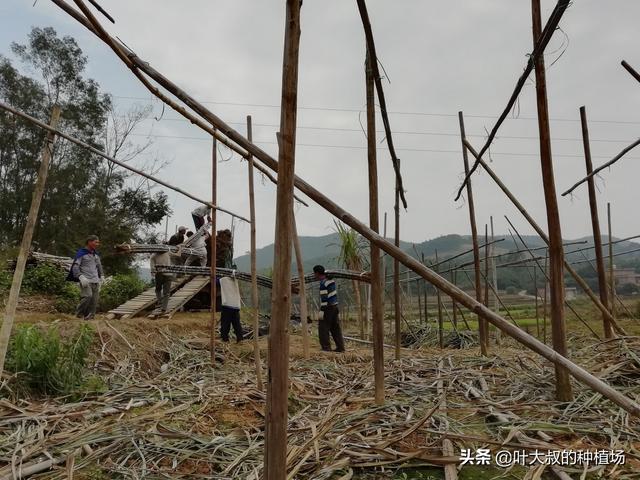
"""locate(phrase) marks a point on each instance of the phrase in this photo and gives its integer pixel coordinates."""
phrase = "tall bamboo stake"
(302, 295)
(254, 269)
(486, 264)
(556, 260)
(535, 293)
(275, 456)
(377, 286)
(483, 328)
(27, 236)
(454, 305)
(396, 273)
(213, 251)
(494, 281)
(595, 223)
(612, 278)
(426, 295)
(440, 321)
(546, 289)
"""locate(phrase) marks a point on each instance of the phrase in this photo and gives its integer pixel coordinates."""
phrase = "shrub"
(68, 299)
(44, 278)
(47, 364)
(511, 290)
(118, 290)
(5, 281)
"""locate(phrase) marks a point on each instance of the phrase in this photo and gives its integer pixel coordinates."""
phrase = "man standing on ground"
(229, 308)
(163, 282)
(87, 270)
(330, 322)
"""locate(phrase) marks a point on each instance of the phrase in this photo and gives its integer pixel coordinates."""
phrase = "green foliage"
(120, 289)
(511, 290)
(68, 298)
(44, 278)
(85, 195)
(5, 281)
(47, 364)
(352, 250)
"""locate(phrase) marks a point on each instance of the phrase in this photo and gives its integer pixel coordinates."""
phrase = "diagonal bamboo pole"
(27, 236)
(275, 451)
(341, 214)
(631, 70)
(377, 287)
(254, 270)
(595, 223)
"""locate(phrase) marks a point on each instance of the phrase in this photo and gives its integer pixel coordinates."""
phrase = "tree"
(85, 194)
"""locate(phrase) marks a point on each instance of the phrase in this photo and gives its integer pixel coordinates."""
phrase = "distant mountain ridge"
(324, 249)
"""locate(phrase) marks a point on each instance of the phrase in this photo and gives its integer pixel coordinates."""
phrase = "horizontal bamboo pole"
(80, 143)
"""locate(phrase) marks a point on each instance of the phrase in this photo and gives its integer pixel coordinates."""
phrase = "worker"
(163, 281)
(330, 322)
(178, 237)
(229, 308)
(86, 269)
(197, 242)
(199, 214)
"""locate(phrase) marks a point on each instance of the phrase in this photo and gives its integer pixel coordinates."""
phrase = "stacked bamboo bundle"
(155, 248)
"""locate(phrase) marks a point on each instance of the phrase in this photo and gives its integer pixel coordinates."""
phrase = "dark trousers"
(89, 298)
(197, 221)
(163, 291)
(330, 323)
(229, 317)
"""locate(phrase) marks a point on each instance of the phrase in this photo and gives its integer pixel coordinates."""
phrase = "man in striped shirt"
(330, 322)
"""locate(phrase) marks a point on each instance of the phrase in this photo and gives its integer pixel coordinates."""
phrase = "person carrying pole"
(330, 322)
(86, 269)
(178, 237)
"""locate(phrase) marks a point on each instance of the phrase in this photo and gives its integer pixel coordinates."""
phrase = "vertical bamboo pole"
(612, 278)
(27, 236)
(546, 289)
(486, 265)
(454, 305)
(377, 280)
(535, 293)
(483, 327)
(396, 273)
(494, 282)
(254, 269)
(303, 289)
(595, 224)
(440, 323)
(383, 275)
(275, 455)
(426, 295)
(556, 261)
(213, 250)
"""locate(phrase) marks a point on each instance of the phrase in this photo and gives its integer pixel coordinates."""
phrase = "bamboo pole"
(483, 328)
(275, 456)
(426, 295)
(556, 255)
(340, 213)
(595, 223)
(254, 269)
(546, 289)
(535, 293)
(486, 265)
(612, 278)
(80, 143)
(440, 322)
(454, 305)
(377, 286)
(396, 274)
(27, 236)
(631, 70)
(214, 250)
(302, 295)
(494, 280)
(579, 280)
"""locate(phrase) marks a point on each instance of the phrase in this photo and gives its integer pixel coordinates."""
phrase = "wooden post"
(486, 265)
(483, 328)
(595, 224)
(440, 322)
(612, 278)
(27, 236)
(254, 270)
(302, 294)
(275, 456)
(377, 285)
(546, 289)
(213, 251)
(556, 255)
(494, 282)
(426, 296)
(396, 274)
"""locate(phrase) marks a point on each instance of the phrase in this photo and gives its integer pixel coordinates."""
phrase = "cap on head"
(319, 269)
(91, 238)
(182, 229)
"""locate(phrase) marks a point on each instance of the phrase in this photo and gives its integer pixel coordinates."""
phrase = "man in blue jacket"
(87, 270)
(330, 322)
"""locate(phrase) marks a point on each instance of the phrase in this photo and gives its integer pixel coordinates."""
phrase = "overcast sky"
(441, 57)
